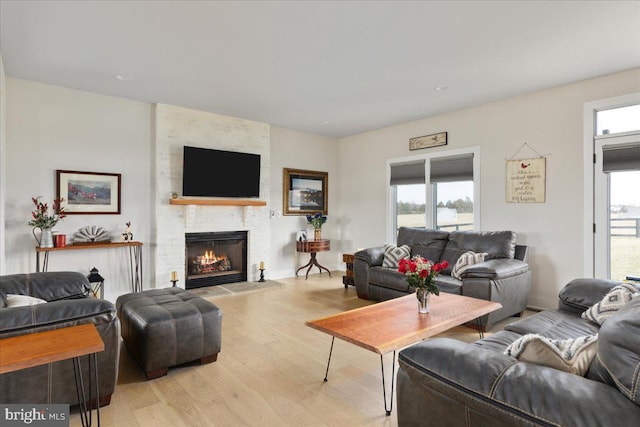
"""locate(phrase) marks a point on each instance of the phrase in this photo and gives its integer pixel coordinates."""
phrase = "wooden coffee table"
(391, 325)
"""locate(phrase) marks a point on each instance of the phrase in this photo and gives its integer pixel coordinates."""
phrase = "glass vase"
(317, 234)
(423, 297)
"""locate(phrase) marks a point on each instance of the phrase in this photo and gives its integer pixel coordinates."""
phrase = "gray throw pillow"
(465, 261)
(393, 254)
(613, 301)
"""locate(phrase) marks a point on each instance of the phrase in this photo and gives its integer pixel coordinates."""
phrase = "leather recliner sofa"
(68, 304)
(503, 277)
(444, 382)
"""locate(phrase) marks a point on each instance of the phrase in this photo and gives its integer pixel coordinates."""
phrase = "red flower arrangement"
(40, 217)
(421, 272)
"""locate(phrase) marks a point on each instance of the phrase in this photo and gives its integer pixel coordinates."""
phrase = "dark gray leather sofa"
(504, 277)
(444, 382)
(68, 304)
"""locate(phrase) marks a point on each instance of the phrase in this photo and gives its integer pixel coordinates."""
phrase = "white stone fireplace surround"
(176, 127)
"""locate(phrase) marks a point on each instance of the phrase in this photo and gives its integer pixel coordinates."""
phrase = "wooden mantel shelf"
(218, 202)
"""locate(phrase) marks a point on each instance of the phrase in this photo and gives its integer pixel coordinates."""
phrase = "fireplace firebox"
(215, 258)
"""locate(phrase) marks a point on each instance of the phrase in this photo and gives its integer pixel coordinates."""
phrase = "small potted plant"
(316, 222)
(45, 222)
(421, 274)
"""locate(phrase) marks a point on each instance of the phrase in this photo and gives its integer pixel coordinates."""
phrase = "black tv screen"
(217, 173)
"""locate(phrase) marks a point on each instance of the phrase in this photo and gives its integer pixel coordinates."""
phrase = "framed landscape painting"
(304, 192)
(89, 192)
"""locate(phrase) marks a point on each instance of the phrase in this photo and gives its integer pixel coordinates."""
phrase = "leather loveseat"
(68, 304)
(503, 277)
(443, 382)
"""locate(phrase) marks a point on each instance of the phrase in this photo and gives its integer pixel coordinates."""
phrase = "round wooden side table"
(313, 247)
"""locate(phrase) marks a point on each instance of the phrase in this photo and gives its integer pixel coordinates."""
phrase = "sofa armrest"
(372, 256)
(41, 317)
(362, 261)
(580, 294)
(456, 377)
(495, 269)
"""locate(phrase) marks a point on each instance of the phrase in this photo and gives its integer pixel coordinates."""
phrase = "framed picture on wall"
(88, 192)
(304, 192)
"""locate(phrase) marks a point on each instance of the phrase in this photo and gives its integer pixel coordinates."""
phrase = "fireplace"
(215, 258)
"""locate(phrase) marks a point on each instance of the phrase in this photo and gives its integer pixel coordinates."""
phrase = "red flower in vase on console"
(40, 216)
(421, 273)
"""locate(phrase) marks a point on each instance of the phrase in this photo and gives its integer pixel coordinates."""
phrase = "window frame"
(391, 232)
(590, 138)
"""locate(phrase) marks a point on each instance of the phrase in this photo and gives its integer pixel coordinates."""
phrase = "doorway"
(616, 193)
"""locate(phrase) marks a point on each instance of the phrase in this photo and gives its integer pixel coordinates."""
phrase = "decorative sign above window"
(428, 141)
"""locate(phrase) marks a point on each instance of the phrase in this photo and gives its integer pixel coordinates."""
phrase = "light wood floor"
(270, 369)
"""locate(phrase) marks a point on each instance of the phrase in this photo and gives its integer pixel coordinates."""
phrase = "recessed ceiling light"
(122, 77)
(440, 88)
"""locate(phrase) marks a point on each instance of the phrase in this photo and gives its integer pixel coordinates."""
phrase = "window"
(615, 253)
(411, 206)
(618, 120)
(434, 191)
(408, 181)
(621, 201)
(454, 205)
(452, 189)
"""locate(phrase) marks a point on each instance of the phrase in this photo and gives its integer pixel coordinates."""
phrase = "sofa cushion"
(554, 324)
(3, 299)
(619, 350)
(449, 284)
(572, 355)
(465, 261)
(498, 341)
(388, 278)
(613, 301)
(393, 254)
(497, 244)
(428, 244)
(15, 320)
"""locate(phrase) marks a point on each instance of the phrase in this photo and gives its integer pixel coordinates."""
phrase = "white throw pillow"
(393, 254)
(465, 261)
(22, 300)
(613, 301)
(571, 355)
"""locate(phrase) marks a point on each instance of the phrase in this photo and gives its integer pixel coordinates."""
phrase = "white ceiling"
(329, 68)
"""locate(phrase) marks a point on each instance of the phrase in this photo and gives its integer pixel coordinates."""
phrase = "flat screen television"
(217, 173)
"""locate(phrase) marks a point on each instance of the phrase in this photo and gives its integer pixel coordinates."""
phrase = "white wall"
(3, 162)
(550, 121)
(299, 150)
(49, 128)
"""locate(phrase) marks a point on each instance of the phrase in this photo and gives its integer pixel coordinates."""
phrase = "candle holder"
(261, 275)
(174, 282)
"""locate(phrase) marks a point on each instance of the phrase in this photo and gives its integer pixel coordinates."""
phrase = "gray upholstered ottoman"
(168, 327)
